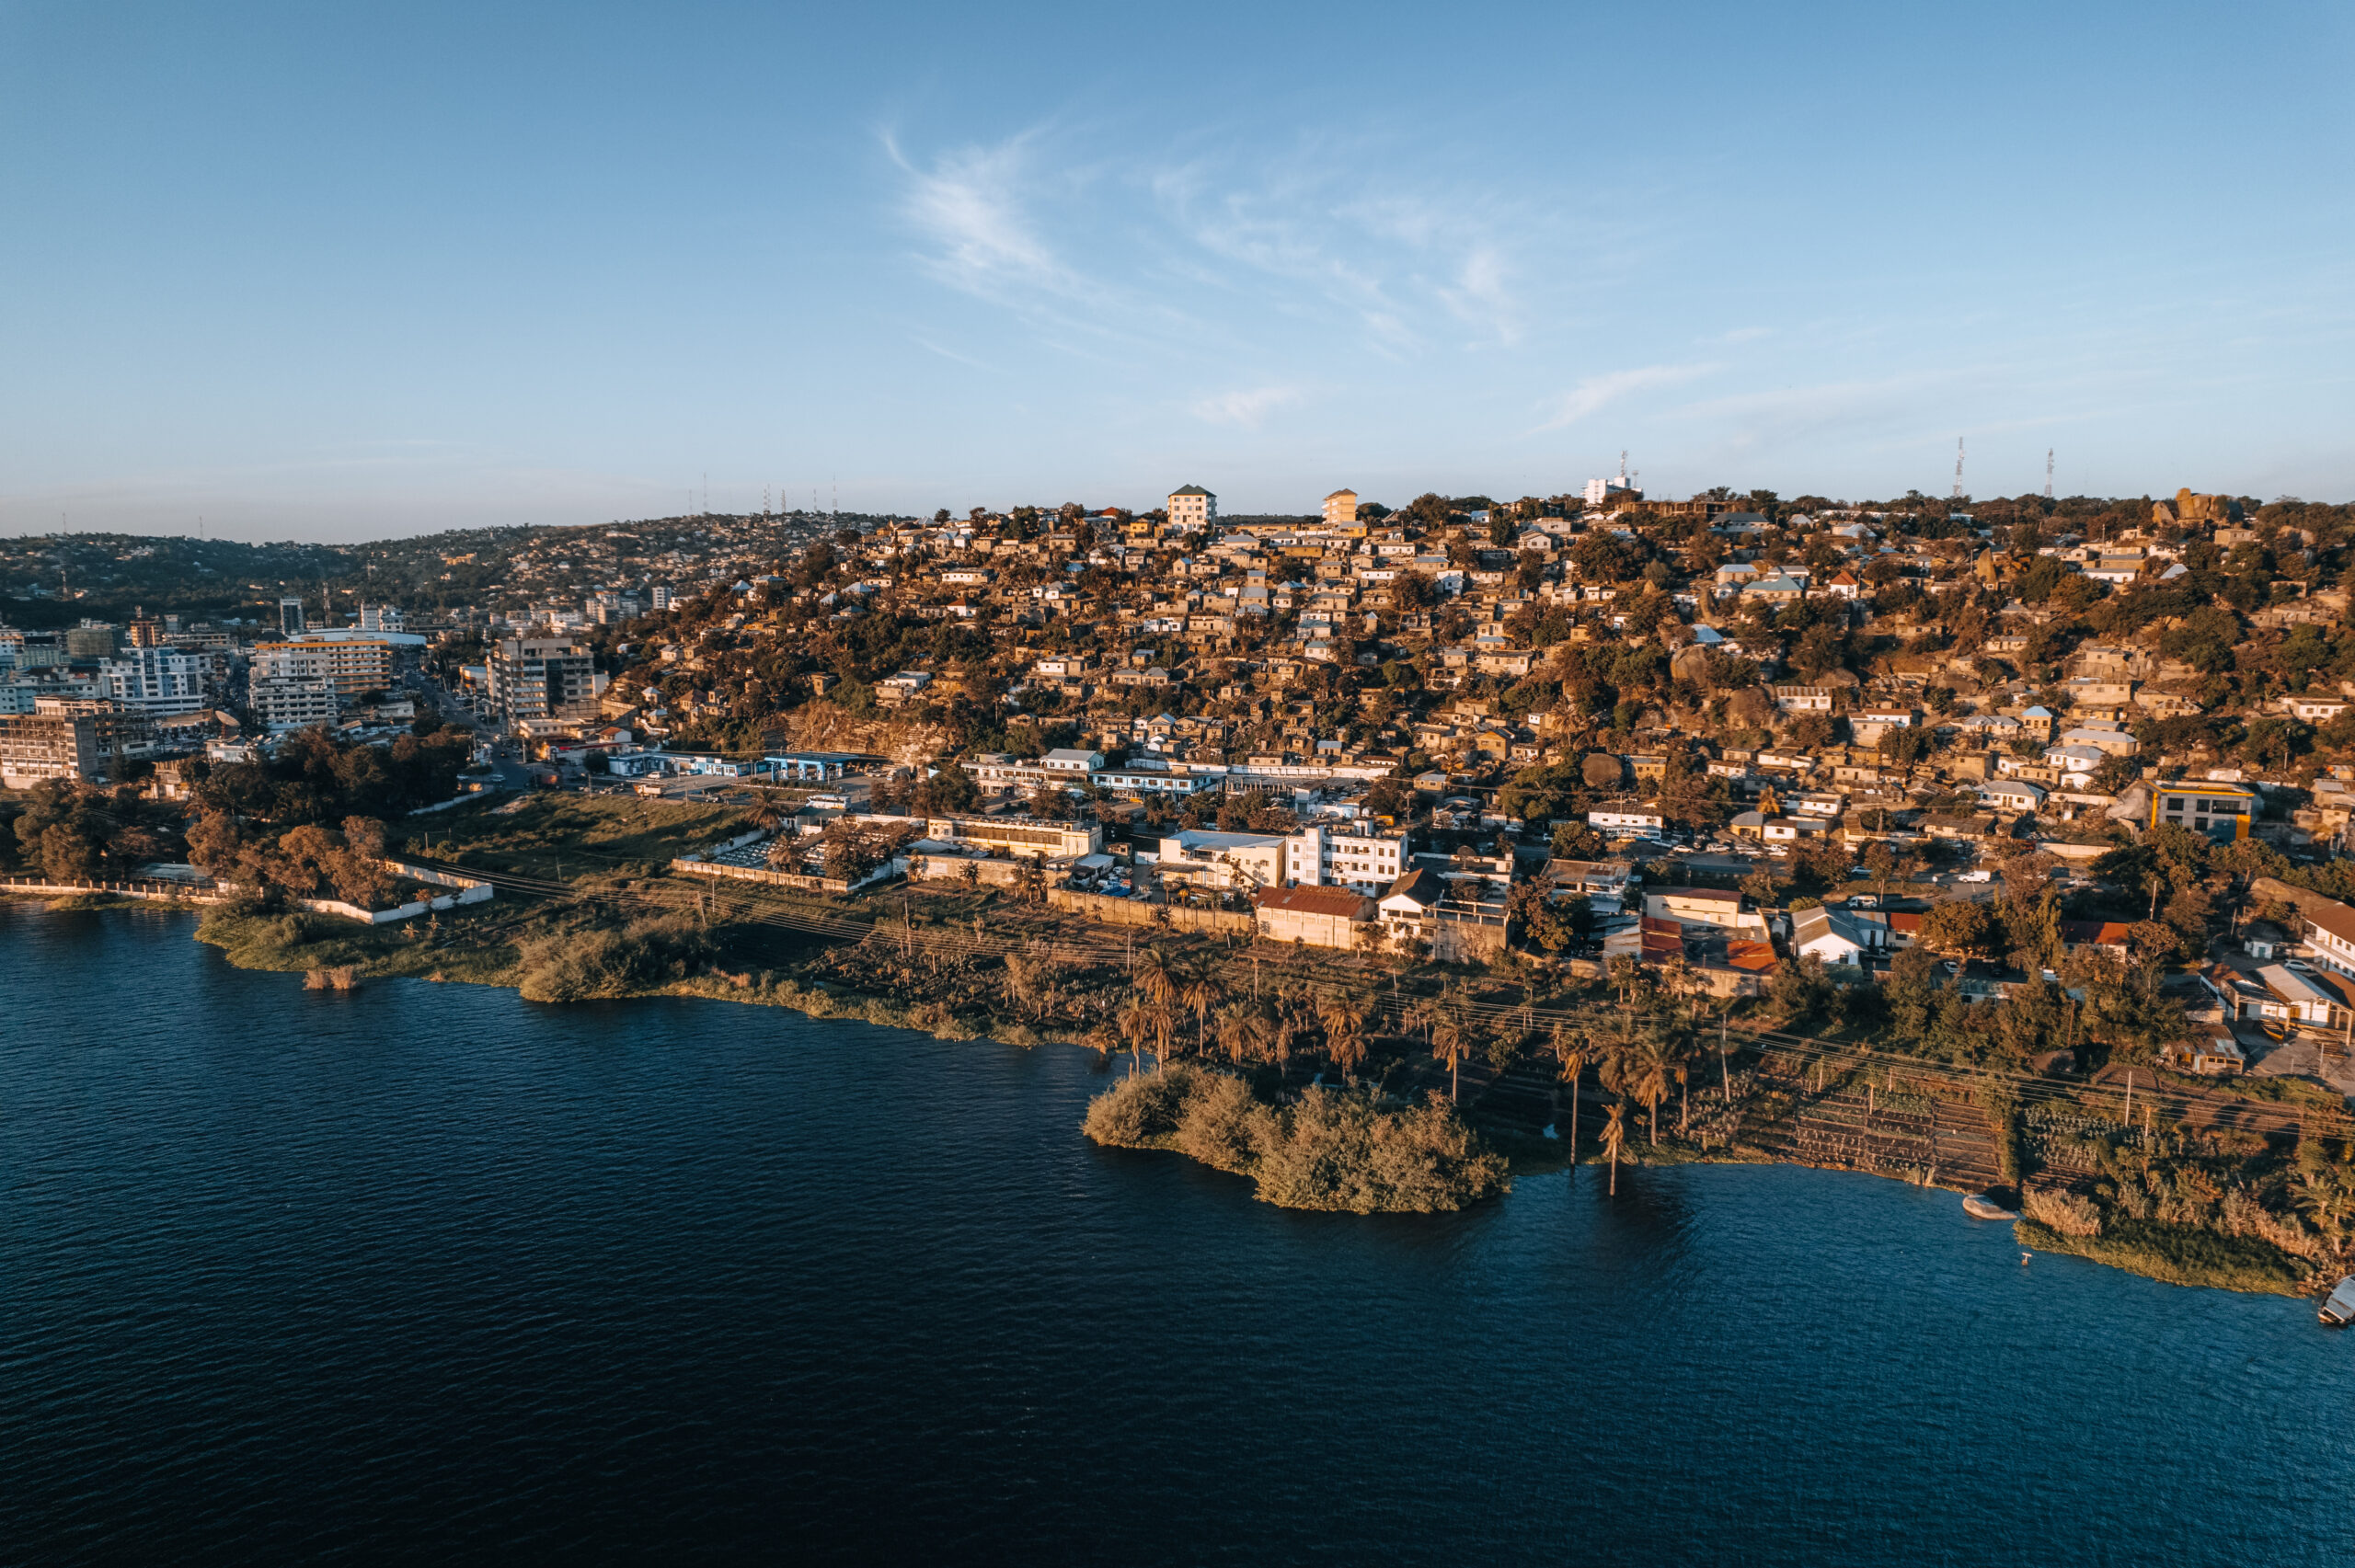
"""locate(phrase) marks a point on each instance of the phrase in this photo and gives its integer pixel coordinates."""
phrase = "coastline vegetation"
(1907, 1079)
(1331, 1149)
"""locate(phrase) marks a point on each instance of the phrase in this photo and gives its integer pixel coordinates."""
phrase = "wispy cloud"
(1246, 407)
(1746, 334)
(1597, 393)
(1481, 296)
(968, 204)
(951, 354)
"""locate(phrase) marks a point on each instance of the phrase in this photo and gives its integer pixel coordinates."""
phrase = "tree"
(1615, 1138)
(1451, 1042)
(1200, 991)
(1962, 929)
(1648, 1069)
(1571, 1051)
(1344, 1023)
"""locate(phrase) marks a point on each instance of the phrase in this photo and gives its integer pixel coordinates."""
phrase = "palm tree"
(1135, 1025)
(1199, 993)
(1451, 1042)
(1574, 1052)
(1645, 1073)
(1615, 1136)
(1245, 1030)
(1155, 976)
(1344, 1021)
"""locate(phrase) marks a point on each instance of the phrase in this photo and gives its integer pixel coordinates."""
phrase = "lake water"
(428, 1272)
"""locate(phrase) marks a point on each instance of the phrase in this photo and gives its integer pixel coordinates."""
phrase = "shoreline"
(2171, 1255)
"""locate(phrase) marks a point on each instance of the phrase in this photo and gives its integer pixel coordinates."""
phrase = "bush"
(2063, 1211)
(1336, 1150)
(587, 966)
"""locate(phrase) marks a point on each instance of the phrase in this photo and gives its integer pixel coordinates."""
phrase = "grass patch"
(572, 835)
(2178, 1255)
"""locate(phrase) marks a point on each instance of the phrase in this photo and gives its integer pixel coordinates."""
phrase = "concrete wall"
(1136, 911)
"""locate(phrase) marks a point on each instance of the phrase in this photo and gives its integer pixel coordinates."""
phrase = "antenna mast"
(1958, 468)
(2047, 474)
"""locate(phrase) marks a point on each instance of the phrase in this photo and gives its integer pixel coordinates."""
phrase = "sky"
(343, 272)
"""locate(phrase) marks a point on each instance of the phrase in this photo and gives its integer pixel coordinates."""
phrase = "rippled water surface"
(428, 1272)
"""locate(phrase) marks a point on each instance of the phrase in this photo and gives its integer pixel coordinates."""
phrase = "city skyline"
(350, 278)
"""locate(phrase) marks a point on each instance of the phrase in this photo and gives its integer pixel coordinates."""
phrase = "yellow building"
(1341, 508)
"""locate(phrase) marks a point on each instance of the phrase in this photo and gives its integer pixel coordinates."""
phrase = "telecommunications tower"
(2047, 474)
(1958, 468)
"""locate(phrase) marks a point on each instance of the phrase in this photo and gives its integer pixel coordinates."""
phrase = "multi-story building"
(353, 666)
(1341, 508)
(290, 615)
(1192, 509)
(541, 678)
(160, 681)
(84, 740)
(284, 702)
(380, 618)
(2221, 811)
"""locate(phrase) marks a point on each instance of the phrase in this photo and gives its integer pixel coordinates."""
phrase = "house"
(1967, 830)
(1626, 821)
(2298, 999)
(1802, 699)
(2330, 934)
(1321, 917)
(1406, 908)
(1835, 936)
(2016, 795)
(2113, 938)
(2211, 1053)
(1710, 908)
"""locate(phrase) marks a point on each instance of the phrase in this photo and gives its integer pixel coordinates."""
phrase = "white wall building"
(158, 681)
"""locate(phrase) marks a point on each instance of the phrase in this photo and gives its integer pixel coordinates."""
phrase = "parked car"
(1974, 876)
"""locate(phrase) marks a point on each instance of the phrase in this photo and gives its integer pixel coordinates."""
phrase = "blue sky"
(311, 272)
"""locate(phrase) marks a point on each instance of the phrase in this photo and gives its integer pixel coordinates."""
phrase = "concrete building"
(1341, 509)
(282, 704)
(1320, 916)
(158, 681)
(83, 741)
(1714, 908)
(353, 666)
(380, 618)
(290, 615)
(2221, 811)
(1022, 837)
(1192, 509)
(541, 678)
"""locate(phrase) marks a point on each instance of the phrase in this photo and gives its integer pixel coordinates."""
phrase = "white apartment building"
(283, 703)
(157, 681)
(1363, 859)
(1192, 509)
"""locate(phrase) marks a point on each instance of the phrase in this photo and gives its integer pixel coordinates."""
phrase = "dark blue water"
(426, 1272)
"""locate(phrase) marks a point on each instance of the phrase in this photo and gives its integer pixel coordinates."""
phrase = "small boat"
(1978, 1206)
(2338, 1306)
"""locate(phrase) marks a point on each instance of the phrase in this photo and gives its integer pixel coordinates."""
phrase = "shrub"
(586, 966)
(2063, 1211)
(1335, 1149)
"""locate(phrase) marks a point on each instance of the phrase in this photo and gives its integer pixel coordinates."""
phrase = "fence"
(170, 892)
(1136, 911)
